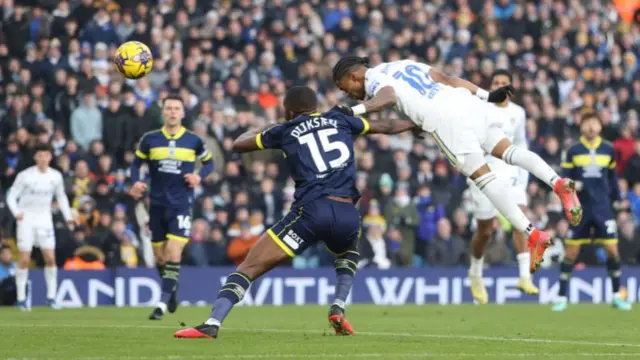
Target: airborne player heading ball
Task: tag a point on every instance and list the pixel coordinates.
(171, 153)
(455, 112)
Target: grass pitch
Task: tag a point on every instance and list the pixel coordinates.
(302, 332)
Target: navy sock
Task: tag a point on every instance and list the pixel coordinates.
(345, 265)
(160, 268)
(613, 268)
(566, 268)
(231, 293)
(169, 280)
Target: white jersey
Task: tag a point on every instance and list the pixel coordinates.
(458, 121)
(425, 101)
(33, 191)
(512, 120)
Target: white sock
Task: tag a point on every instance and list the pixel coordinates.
(22, 275)
(531, 162)
(493, 188)
(51, 278)
(524, 260)
(212, 321)
(476, 266)
(340, 303)
(162, 306)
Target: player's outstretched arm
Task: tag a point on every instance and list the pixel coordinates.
(496, 96)
(391, 126)
(383, 99)
(250, 141)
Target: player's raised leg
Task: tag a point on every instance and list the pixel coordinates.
(474, 166)
(530, 161)
(267, 253)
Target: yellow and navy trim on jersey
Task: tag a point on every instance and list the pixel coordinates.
(365, 122)
(579, 155)
(159, 149)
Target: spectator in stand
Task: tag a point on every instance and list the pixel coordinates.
(240, 245)
(86, 121)
(402, 215)
(631, 171)
(374, 249)
(446, 249)
(7, 277)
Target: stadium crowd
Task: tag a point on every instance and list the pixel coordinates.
(231, 62)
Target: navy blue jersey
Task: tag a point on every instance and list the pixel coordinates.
(319, 151)
(170, 157)
(594, 166)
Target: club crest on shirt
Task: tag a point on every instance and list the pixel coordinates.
(172, 149)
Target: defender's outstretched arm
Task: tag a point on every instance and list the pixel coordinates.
(393, 126)
(250, 141)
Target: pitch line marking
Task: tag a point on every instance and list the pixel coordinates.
(365, 333)
(337, 356)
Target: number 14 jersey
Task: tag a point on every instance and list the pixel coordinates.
(319, 150)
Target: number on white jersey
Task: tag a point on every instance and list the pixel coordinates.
(326, 146)
(419, 80)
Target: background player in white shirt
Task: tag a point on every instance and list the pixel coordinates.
(29, 199)
(460, 122)
(511, 118)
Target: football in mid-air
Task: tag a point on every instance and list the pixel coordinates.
(133, 60)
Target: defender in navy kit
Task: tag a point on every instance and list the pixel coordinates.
(319, 150)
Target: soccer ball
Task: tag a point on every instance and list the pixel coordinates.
(133, 60)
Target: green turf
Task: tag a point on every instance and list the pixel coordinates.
(411, 332)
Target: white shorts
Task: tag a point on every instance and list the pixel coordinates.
(483, 208)
(32, 233)
(466, 130)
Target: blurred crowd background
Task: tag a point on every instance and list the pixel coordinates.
(231, 62)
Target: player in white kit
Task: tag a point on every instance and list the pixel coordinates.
(29, 199)
(511, 118)
(455, 112)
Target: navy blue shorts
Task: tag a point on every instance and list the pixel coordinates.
(598, 228)
(335, 223)
(168, 223)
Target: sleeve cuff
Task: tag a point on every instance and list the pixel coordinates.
(366, 126)
(259, 141)
(141, 155)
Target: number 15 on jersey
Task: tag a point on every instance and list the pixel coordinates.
(320, 152)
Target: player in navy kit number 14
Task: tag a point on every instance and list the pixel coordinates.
(319, 151)
(171, 153)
